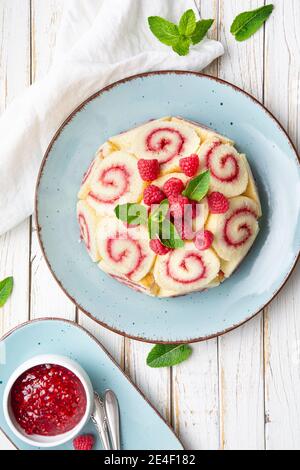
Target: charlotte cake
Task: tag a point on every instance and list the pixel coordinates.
(169, 208)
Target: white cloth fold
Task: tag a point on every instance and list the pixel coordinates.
(99, 42)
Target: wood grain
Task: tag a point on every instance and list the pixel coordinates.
(47, 299)
(241, 391)
(282, 320)
(14, 78)
(241, 352)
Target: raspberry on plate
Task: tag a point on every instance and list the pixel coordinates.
(153, 195)
(218, 203)
(204, 240)
(84, 442)
(173, 187)
(190, 165)
(148, 169)
(158, 247)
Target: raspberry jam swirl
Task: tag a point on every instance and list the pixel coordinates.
(239, 227)
(186, 269)
(164, 143)
(84, 230)
(235, 231)
(125, 250)
(48, 400)
(222, 164)
(112, 183)
(227, 168)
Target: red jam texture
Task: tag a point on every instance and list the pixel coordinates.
(48, 400)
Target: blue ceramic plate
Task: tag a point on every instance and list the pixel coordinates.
(141, 426)
(218, 105)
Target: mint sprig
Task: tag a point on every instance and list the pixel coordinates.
(202, 28)
(168, 355)
(160, 226)
(187, 23)
(157, 217)
(169, 236)
(248, 23)
(132, 214)
(6, 287)
(198, 187)
(180, 37)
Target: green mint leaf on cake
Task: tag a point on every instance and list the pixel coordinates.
(248, 23)
(132, 214)
(187, 23)
(157, 217)
(169, 236)
(201, 29)
(180, 37)
(168, 355)
(198, 187)
(6, 287)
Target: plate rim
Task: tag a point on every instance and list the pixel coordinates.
(40, 174)
(100, 345)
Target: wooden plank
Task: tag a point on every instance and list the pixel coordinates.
(47, 299)
(14, 77)
(210, 9)
(154, 383)
(240, 352)
(282, 321)
(111, 341)
(195, 398)
(195, 382)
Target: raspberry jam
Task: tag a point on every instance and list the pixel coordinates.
(48, 400)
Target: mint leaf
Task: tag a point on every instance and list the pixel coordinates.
(201, 30)
(187, 23)
(189, 31)
(246, 24)
(169, 236)
(198, 187)
(168, 355)
(182, 47)
(165, 31)
(133, 214)
(157, 217)
(6, 287)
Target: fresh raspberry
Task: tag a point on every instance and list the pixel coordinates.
(218, 203)
(173, 187)
(158, 247)
(153, 195)
(190, 165)
(149, 169)
(84, 442)
(178, 206)
(204, 239)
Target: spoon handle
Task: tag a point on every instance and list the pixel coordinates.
(100, 421)
(113, 418)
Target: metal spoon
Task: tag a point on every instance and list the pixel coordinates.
(100, 421)
(113, 418)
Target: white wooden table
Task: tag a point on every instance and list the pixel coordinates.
(241, 391)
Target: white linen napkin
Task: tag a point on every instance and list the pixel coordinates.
(99, 42)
